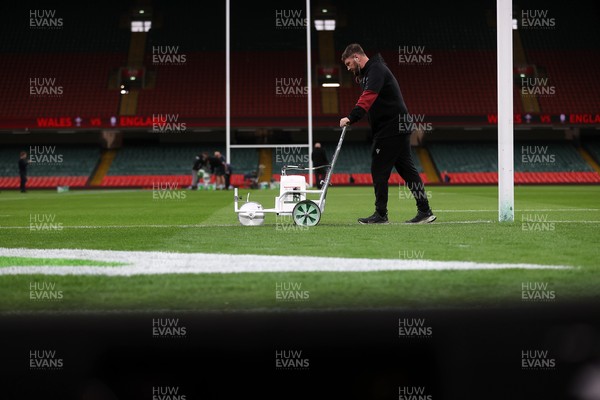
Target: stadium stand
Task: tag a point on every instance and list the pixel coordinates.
(149, 160)
(81, 28)
(573, 76)
(69, 85)
(535, 162)
(415, 23)
(460, 81)
(142, 165)
(52, 166)
(593, 147)
(58, 160)
(254, 91)
(62, 71)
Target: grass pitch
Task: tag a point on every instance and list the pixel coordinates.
(554, 225)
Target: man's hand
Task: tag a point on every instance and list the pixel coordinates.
(344, 121)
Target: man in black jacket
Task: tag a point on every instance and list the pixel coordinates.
(218, 167)
(23, 163)
(200, 163)
(382, 102)
(319, 159)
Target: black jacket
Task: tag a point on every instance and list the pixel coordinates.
(200, 162)
(381, 99)
(23, 166)
(319, 157)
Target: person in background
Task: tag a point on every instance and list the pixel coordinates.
(23, 163)
(218, 166)
(319, 159)
(446, 177)
(200, 162)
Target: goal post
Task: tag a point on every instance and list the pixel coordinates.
(228, 144)
(309, 90)
(506, 196)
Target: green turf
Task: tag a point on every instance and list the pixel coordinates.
(564, 232)
(30, 261)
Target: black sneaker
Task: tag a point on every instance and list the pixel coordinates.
(374, 219)
(422, 218)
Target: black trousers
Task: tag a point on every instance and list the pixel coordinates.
(395, 152)
(23, 182)
(320, 175)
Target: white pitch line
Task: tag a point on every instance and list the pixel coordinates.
(561, 209)
(528, 210)
(465, 210)
(116, 226)
(437, 222)
(571, 222)
(158, 263)
(213, 225)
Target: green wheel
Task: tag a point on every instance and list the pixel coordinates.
(306, 213)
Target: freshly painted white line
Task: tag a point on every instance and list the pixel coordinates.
(158, 263)
(571, 222)
(561, 209)
(438, 211)
(527, 210)
(437, 222)
(121, 226)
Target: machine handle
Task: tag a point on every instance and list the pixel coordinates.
(330, 172)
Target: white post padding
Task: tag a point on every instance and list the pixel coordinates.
(506, 188)
(309, 91)
(227, 81)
